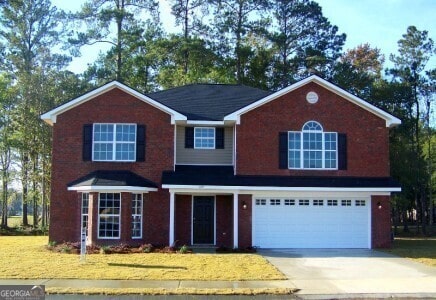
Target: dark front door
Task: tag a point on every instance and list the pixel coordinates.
(203, 220)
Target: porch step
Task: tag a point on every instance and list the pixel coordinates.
(203, 249)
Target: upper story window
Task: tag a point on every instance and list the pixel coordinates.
(312, 148)
(114, 142)
(204, 138)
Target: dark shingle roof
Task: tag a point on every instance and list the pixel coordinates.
(224, 176)
(208, 102)
(112, 178)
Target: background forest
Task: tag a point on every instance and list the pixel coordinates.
(265, 44)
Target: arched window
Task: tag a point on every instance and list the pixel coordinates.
(312, 148)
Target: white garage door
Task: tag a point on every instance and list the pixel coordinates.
(311, 223)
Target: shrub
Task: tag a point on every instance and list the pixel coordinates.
(52, 244)
(65, 249)
(147, 248)
(105, 250)
(184, 249)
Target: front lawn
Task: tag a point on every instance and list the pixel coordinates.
(26, 257)
(422, 250)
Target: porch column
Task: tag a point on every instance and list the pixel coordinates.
(235, 220)
(171, 239)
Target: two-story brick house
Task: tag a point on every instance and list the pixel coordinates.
(304, 167)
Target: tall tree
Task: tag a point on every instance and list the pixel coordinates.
(171, 70)
(358, 69)
(305, 40)
(140, 62)
(234, 19)
(29, 31)
(100, 15)
(6, 145)
(189, 14)
(415, 49)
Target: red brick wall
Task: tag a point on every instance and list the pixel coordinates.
(257, 135)
(183, 219)
(113, 106)
(224, 221)
(381, 222)
(245, 222)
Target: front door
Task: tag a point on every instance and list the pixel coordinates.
(203, 220)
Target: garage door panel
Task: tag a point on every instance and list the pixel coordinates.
(311, 226)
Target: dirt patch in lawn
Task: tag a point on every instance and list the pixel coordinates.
(25, 257)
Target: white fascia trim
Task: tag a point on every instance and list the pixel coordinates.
(201, 188)
(209, 123)
(391, 121)
(106, 189)
(50, 116)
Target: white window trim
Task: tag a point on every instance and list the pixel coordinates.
(214, 138)
(138, 215)
(81, 211)
(323, 150)
(114, 142)
(110, 215)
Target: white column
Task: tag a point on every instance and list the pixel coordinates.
(235, 220)
(172, 209)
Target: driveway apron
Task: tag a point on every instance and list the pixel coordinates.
(352, 271)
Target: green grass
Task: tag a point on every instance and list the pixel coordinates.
(419, 249)
(413, 231)
(17, 221)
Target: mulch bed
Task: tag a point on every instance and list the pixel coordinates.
(74, 248)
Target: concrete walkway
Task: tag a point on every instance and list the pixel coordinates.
(352, 272)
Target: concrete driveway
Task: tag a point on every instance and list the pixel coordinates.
(352, 271)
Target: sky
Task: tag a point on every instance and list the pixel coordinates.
(381, 23)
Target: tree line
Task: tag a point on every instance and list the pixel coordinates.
(259, 43)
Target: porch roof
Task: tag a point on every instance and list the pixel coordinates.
(223, 176)
(112, 180)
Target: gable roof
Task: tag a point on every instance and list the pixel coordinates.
(212, 103)
(208, 102)
(391, 121)
(50, 116)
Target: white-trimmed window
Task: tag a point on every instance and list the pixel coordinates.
(360, 203)
(85, 209)
(204, 138)
(109, 212)
(318, 202)
(312, 148)
(289, 201)
(114, 142)
(303, 202)
(346, 202)
(332, 202)
(274, 201)
(260, 201)
(136, 216)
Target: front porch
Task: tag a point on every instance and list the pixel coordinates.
(210, 219)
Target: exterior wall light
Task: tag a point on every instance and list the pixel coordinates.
(244, 205)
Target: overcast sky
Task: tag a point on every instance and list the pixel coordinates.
(381, 23)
